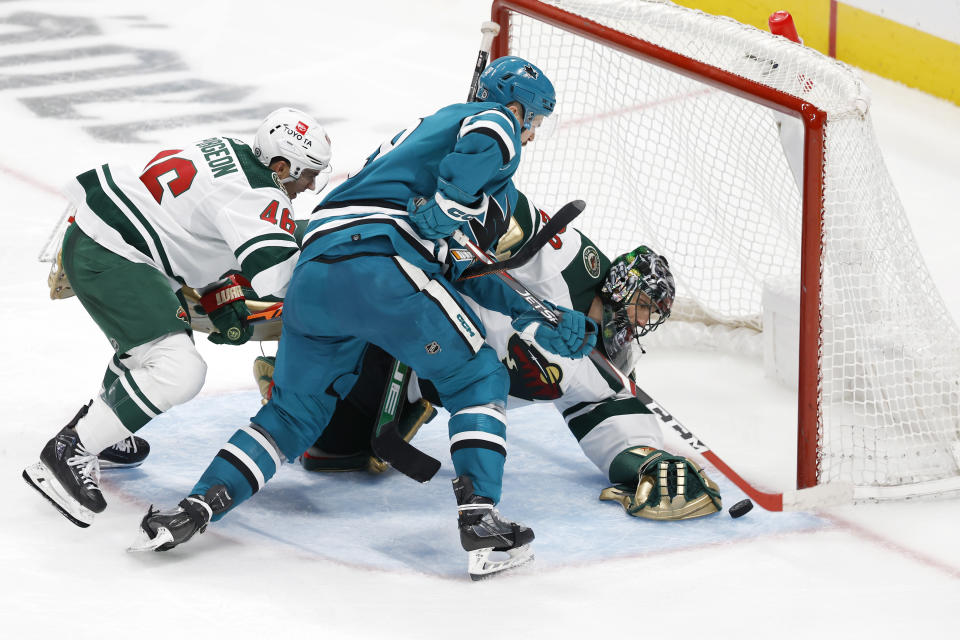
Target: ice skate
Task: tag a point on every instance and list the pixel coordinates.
(483, 532)
(126, 454)
(164, 530)
(68, 475)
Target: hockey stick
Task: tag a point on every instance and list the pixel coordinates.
(556, 224)
(489, 31)
(270, 314)
(769, 501)
(564, 216)
(385, 440)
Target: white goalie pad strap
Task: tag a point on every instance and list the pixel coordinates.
(248, 462)
(455, 312)
(459, 211)
(264, 443)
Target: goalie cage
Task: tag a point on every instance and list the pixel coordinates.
(675, 128)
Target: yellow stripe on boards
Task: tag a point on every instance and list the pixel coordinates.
(812, 17)
(892, 50)
(865, 40)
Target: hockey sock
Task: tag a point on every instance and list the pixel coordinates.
(478, 447)
(151, 378)
(100, 428)
(244, 464)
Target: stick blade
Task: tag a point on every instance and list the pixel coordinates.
(405, 458)
(560, 219)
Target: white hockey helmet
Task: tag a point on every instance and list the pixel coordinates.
(296, 137)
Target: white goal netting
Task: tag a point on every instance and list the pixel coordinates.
(712, 180)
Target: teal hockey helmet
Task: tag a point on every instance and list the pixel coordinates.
(512, 79)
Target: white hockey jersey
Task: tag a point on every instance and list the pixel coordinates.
(195, 214)
(569, 272)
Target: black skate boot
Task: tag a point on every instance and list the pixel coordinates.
(126, 454)
(163, 530)
(68, 475)
(483, 530)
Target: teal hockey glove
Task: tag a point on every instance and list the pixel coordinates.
(440, 216)
(573, 337)
(227, 309)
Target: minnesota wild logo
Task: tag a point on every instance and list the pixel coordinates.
(182, 315)
(591, 260)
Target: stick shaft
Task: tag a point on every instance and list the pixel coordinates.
(489, 31)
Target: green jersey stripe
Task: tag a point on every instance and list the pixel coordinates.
(264, 258)
(583, 424)
(258, 175)
(105, 209)
(143, 398)
(143, 221)
(127, 411)
(284, 237)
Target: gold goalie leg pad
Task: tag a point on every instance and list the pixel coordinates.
(57, 280)
(263, 373)
(668, 488)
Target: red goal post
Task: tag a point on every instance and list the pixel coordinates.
(858, 436)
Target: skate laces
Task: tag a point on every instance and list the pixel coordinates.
(127, 445)
(88, 466)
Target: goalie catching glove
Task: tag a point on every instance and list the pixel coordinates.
(660, 486)
(573, 337)
(225, 305)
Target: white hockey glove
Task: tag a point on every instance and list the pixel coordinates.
(569, 339)
(660, 486)
(440, 216)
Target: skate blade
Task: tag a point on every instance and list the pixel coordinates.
(108, 464)
(480, 566)
(145, 543)
(39, 477)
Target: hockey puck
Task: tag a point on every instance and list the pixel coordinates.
(741, 508)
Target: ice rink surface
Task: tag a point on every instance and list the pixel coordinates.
(359, 556)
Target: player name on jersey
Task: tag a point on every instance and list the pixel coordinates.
(217, 154)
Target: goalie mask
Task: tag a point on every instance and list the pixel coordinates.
(637, 296)
(294, 136)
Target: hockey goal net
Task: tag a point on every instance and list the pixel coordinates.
(748, 160)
